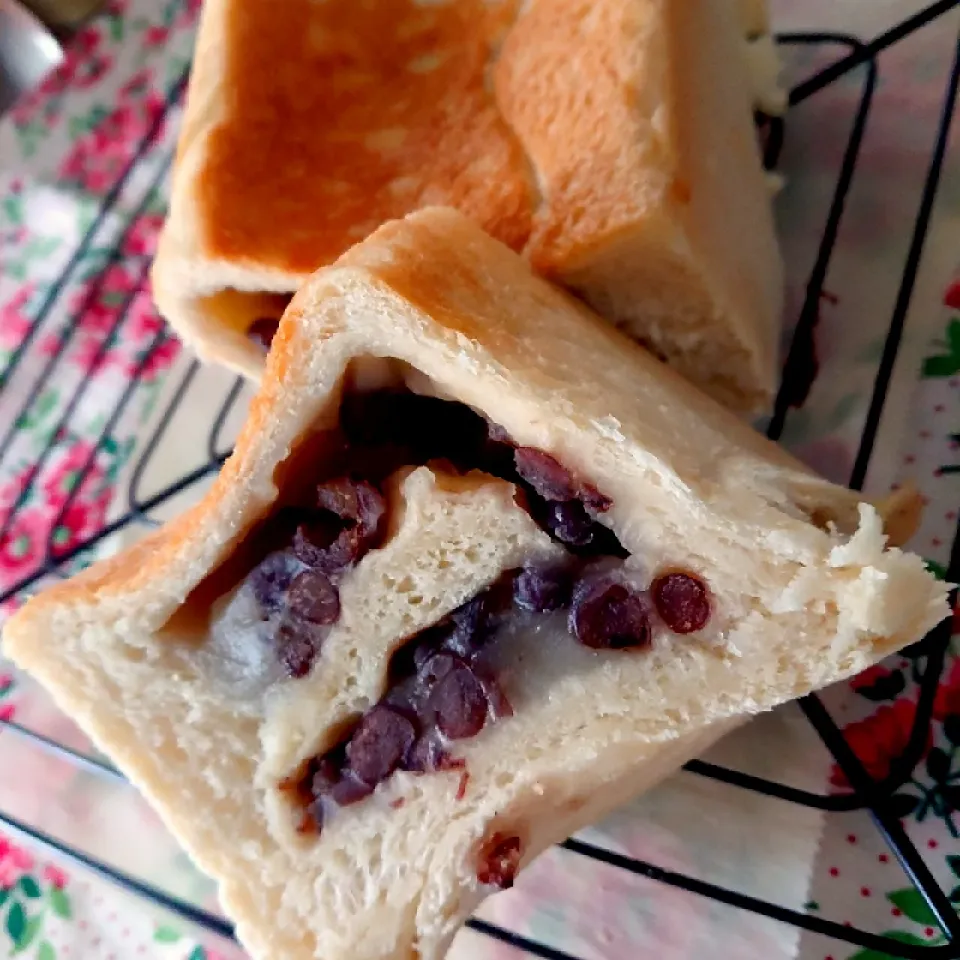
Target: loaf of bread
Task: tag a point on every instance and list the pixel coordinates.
(610, 141)
(478, 570)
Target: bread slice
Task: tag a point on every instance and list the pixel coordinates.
(611, 141)
(154, 654)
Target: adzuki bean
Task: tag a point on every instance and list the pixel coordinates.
(442, 687)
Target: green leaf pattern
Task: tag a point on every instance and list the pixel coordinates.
(29, 887)
(30, 931)
(28, 905)
(60, 903)
(16, 922)
(897, 936)
(913, 906)
(946, 362)
(165, 934)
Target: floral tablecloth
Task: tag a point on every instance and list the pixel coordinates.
(83, 165)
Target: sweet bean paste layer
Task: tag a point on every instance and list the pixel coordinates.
(262, 331)
(442, 687)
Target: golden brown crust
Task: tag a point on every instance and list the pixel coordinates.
(562, 127)
(588, 157)
(309, 158)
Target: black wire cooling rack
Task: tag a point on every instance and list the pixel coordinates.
(878, 797)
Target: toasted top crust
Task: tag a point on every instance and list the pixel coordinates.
(309, 157)
(754, 16)
(605, 150)
(610, 141)
(292, 155)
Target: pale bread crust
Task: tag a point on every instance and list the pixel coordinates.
(647, 195)
(690, 485)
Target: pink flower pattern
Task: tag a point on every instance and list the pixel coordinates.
(55, 876)
(8, 707)
(117, 304)
(158, 361)
(22, 547)
(120, 99)
(74, 493)
(14, 863)
(142, 238)
(98, 158)
(156, 36)
(68, 476)
(11, 489)
(14, 319)
(33, 894)
(84, 64)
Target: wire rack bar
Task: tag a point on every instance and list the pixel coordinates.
(57, 749)
(745, 902)
(515, 940)
(909, 280)
(138, 507)
(800, 368)
(868, 51)
(81, 549)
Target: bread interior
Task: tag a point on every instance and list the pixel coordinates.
(457, 454)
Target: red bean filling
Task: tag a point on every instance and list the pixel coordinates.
(399, 428)
(440, 692)
(313, 598)
(297, 647)
(346, 528)
(609, 615)
(262, 331)
(682, 602)
(542, 589)
(380, 744)
(553, 482)
(458, 703)
(298, 580)
(545, 474)
(441, 688)
(499, 860)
